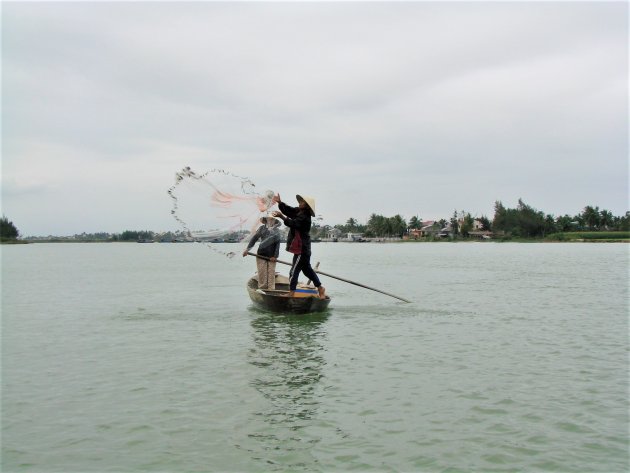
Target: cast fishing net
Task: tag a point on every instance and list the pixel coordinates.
(218, 207)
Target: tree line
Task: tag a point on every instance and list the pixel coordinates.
(8, 231)
(523, 221)
(376, 226)
(528, 222)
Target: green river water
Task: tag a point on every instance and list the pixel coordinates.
(128, 357)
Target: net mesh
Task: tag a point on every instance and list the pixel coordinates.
(219, 206)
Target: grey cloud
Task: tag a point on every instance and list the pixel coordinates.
(471, 101)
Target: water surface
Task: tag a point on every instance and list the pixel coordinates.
(127, 357)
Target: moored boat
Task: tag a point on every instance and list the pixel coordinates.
(305, 300)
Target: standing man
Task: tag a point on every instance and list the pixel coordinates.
(269, 236)
(298, 219)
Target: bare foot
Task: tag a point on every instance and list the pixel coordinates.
(322, 292)
(289, 294)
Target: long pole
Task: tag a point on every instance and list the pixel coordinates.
(335, 277)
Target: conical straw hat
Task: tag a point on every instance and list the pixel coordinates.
(309, 201)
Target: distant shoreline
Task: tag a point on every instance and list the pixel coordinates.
(514, 240)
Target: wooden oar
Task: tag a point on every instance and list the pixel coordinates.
(335, 277)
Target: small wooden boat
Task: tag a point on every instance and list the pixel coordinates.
(306, 299)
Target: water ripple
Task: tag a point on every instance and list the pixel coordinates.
(510, 358)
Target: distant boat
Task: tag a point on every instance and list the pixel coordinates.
(305, 301)
(146, 241)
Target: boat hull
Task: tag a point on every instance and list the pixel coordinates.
(274, 301)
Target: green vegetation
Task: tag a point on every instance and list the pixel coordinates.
(129, 235)
(589, 236)
(523, 223)
(526, 222)
(8, 231)
(104, 237)
(377, 226)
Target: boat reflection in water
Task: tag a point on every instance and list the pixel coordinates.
(289, 355)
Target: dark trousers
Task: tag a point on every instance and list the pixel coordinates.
(302, 263)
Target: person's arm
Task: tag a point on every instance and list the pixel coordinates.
(299, 222)
(253, 241)
(284, 208)
(287, 210)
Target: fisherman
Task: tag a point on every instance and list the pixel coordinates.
(298, 219)
(269, 236)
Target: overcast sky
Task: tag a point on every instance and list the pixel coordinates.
(416, 108)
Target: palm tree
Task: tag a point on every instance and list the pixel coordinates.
(377, 225)
(591, 217)
(606, 219)
(414, 222)
(399, 225)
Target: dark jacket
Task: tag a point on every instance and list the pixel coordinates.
(269, 241)
(298, 221)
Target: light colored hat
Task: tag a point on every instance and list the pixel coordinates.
(309, 201)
